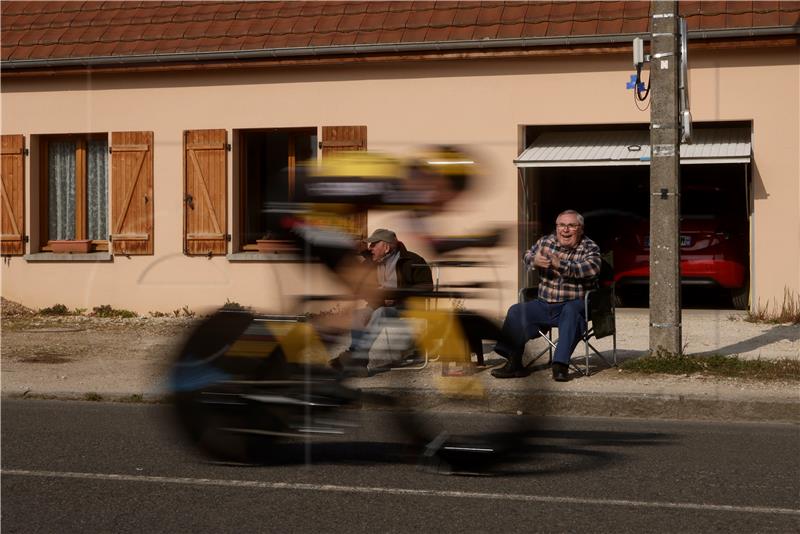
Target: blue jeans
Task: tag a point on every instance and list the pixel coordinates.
(524, 320)
(366, 328)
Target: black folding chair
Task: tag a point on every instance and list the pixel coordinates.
(600, 312)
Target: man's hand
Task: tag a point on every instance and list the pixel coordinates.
(541, 261)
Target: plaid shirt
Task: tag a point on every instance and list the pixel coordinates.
(576, 274)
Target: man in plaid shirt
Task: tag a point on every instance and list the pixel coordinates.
(568, 263)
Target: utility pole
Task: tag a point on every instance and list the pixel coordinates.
(665, 135)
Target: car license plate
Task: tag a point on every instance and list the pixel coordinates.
(686, 241)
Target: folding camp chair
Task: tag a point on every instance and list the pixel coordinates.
(600, 312)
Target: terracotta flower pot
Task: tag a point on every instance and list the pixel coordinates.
(79, 246)
(274, 245)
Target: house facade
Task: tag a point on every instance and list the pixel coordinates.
(148, 135)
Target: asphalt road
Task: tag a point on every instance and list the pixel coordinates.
(96, 467)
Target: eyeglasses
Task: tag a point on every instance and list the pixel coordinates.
(571, 226)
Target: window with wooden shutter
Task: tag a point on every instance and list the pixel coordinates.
(205, 192)
(347, 138)
(132, 192)
(12, 179)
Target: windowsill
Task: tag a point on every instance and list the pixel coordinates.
(265, 256)
(69, 257)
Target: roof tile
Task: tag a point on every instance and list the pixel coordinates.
(351, 22)
(562, 11)
(311, 9)
(373, 21)
(419, 19)
(327, 23)
(790, 17)
(609, 26)
(282, 26)
(585, 27)
(510, 31)
(538, 12)
(559, 29)
(710, 22)
(636, 10)
(355, 7)
(208, 44)
(688, 8)
(396, 20)
(416, 35)
(489, 14)
(535, 29)
(461, 33)
(378, 7)
(738, 19)
(611, 10)
(233, 43)
(298, 40)
(513, 14)
(368, 37)
(637, 25)
(438, 34)
(321, 39)
(441, 17)
(488, 31)
(587, 10)
(304, 24)
(333, 8)
(390, 36)
(466, 17)
(344, 39)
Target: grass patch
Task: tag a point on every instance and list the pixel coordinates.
(92, 396)
(716, 365)
(56, 309)
(107, 311)
(788, 312)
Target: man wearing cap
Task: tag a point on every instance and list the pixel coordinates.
(395, 268)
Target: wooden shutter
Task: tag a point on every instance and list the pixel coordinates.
(205, 192)
(12, 179)
(132, 192)
(347, 138)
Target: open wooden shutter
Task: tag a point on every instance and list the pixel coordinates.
(347, 138)
(206, 192)
(12, 179)
(132, 192)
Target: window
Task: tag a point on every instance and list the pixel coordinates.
(74, 189)
(269, 159)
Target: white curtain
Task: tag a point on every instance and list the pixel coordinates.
(61, 189)
(97, 188)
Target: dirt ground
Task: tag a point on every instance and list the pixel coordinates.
(109, 355)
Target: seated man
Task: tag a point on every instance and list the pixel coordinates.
(395, 268)
(568, 265)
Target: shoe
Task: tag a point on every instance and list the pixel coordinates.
(512, 369)
(560, 372)
(349, 366)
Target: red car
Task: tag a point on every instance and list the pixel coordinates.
(713, 252)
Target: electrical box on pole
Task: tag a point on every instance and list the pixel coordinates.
(665, 136)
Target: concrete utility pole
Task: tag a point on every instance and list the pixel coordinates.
(665, 283)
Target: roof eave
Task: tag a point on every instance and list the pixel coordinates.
(381, 48)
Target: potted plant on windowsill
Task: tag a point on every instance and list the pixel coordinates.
(76, 246)
(268, 243)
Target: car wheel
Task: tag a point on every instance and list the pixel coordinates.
(741, 297)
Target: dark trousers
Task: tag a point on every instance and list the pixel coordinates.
(524, 320)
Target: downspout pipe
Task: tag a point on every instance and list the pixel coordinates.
(322, 51)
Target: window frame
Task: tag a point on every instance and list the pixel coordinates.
(81, 189)
(294, 133)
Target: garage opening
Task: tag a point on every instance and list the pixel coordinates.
(604, 174)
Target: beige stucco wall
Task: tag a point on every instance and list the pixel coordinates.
(479, 103)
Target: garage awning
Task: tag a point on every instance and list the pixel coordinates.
(631, 147)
